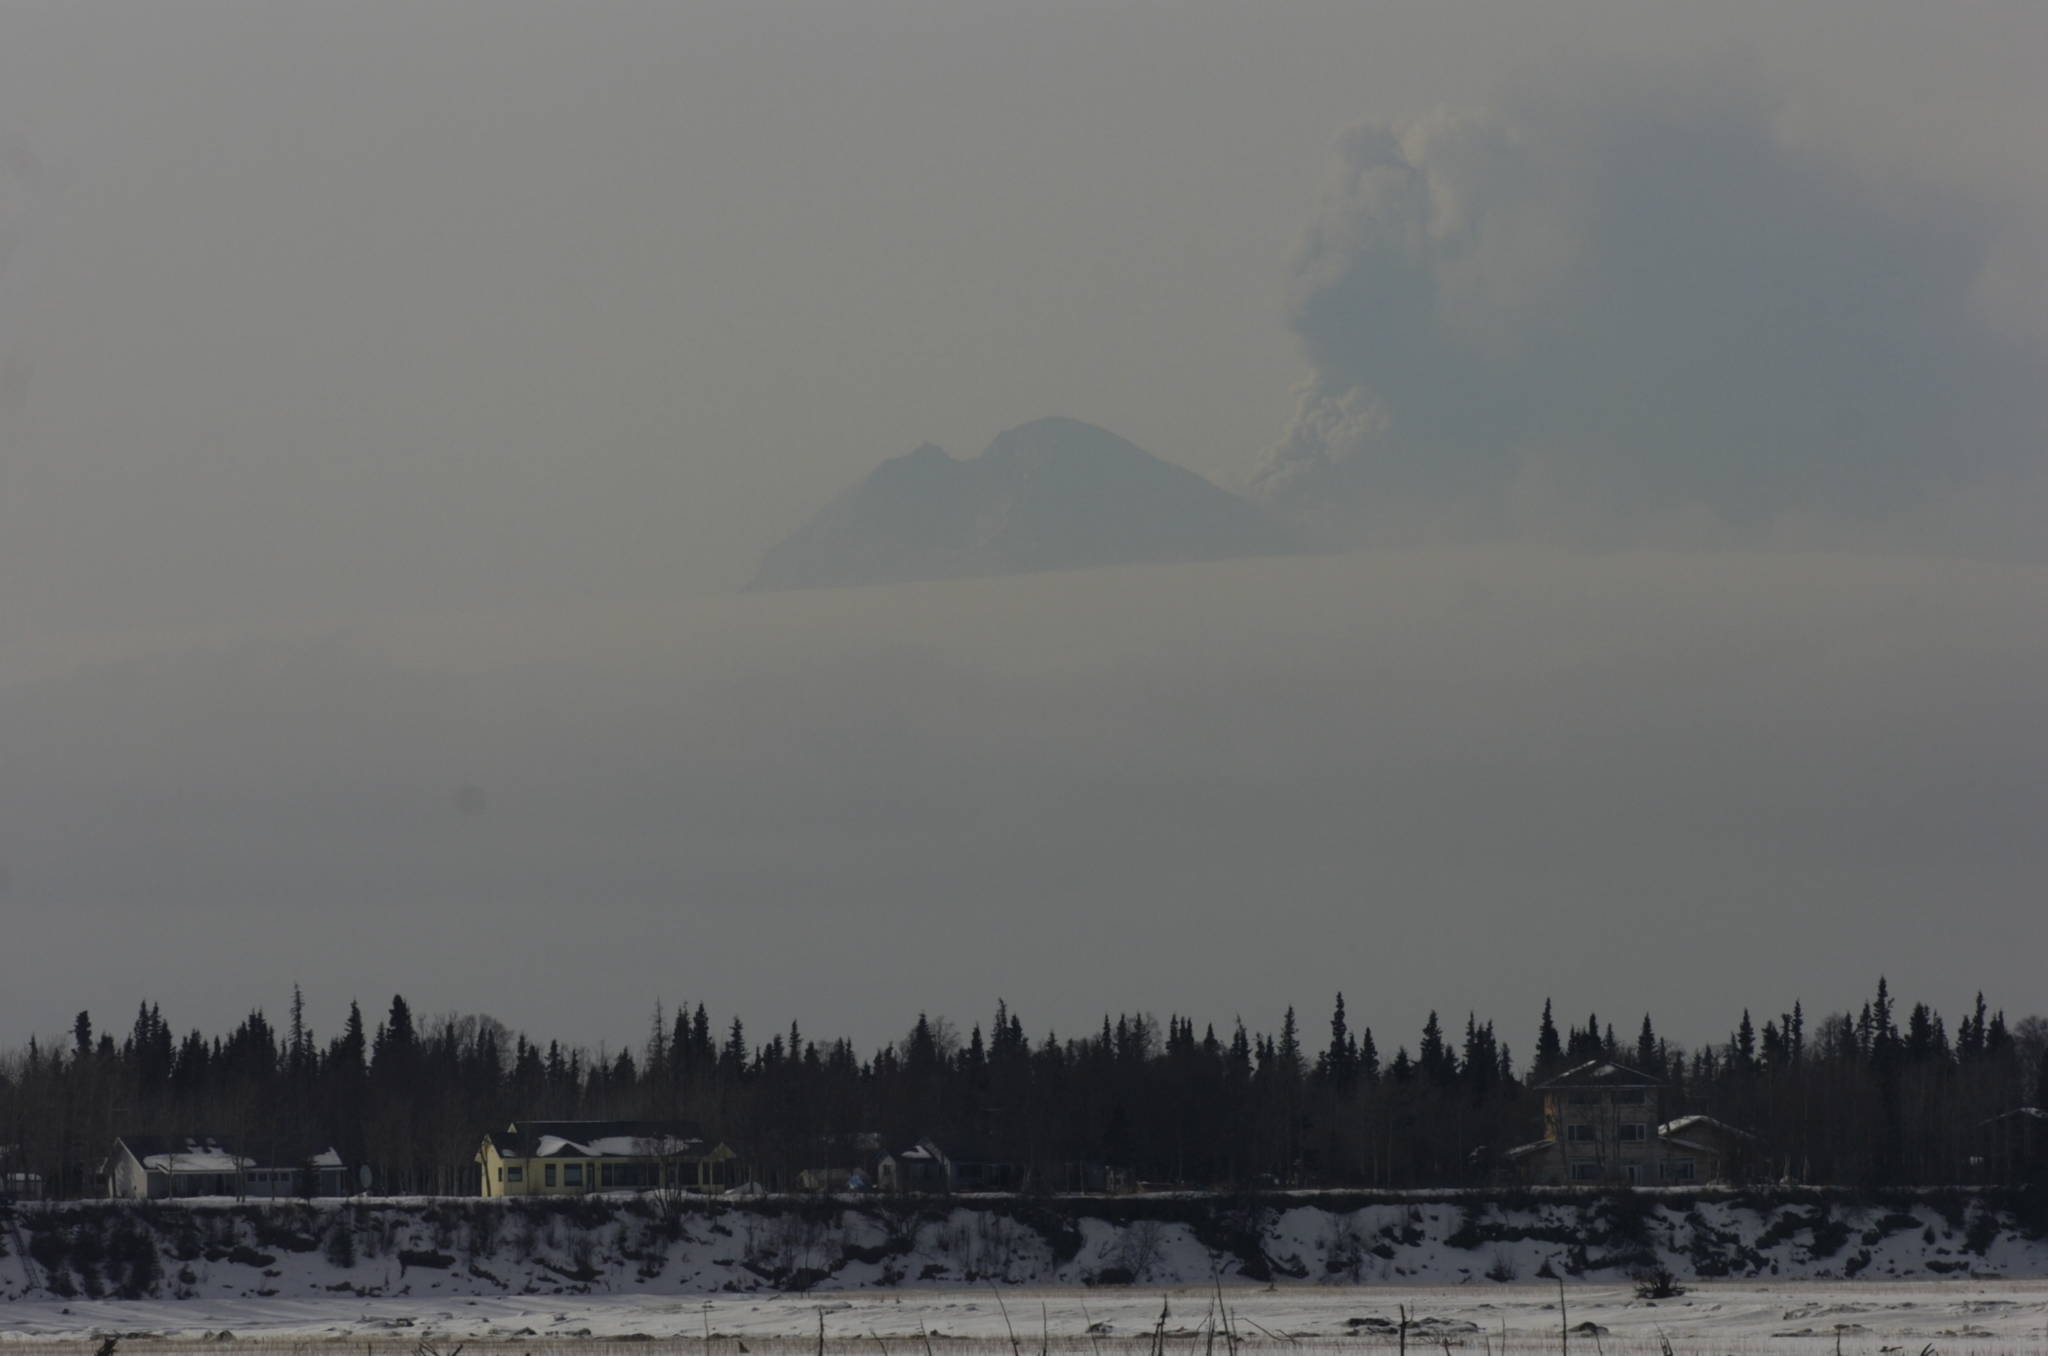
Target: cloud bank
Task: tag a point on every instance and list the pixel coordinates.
(1633, 292)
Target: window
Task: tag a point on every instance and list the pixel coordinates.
(1632, 1132)
(1629, 1098)
(515, 1174)
(548, 1175)
(1679, 1169)
(1582, 1134)
(501, 1174)
(572, 1174)
(1585, 1172)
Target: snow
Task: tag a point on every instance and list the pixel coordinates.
(608, 1146)
(1748, 1316)
(630, 1146)
(198, 1155)
(203, 1161)
(1924, 1270)
(1685, 1123)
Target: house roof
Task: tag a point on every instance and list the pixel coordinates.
(1522, 1151)
(595, 1139)
(2018, 1113)
(924, 1151)
(212, 1154)
(1601, 1073)
(1686, 1125)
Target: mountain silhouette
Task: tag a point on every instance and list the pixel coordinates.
(1053, 494)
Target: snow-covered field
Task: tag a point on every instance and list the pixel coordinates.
(1955, 1316)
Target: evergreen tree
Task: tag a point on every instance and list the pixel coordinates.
(1549, 1050)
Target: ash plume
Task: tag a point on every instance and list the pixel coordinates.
(1636, 293)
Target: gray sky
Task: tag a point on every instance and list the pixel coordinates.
(391, 396)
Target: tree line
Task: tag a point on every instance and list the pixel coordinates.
(1853, 1097)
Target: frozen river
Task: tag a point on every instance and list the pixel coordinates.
(1960, 1316)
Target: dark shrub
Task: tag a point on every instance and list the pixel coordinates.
(49, 1247)
(1830, 1235)
(1467, 1235)
(410, 1257)
(341, 1244)
(1983, 1230)
(133, 1263)
(1656, 1282)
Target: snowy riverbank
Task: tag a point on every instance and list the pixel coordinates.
(445, 1249)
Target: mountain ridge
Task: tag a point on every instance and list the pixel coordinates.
(1055, 493)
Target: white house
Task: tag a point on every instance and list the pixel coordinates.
(149, 1167)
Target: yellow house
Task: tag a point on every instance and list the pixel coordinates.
(573, 1158)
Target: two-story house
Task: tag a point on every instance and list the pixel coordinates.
(1603, 1125)
(1600, 1123)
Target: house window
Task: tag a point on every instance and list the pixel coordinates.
(1679, 1169)
(572, 1174)
(501, 1174)
(1632, 1131)
(548, 1175)
(1585, 1172)
(1628, 1098)
(515, 1174)
(1582, 1134)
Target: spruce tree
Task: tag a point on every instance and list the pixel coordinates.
(1549, 1050)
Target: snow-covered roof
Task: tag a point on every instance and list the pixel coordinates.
(211, 1154)
(1521, 1151)
(203, 1156)
(596, 1139)
(630, 1146)
(1602, 1073)
(1686, 1124)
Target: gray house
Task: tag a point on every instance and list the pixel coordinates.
(920, 1168)
(151, 1167)
(1601, 1126)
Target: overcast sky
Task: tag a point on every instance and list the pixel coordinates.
(393, 395)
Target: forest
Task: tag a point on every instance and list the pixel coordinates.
(1863, 1098)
